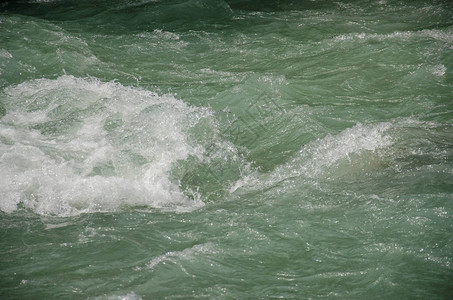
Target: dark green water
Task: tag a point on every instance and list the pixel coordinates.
(226, 149)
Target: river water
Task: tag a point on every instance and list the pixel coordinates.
(226, 149)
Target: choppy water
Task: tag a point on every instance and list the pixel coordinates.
(226, 149)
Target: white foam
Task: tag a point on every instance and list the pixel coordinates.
(5, 54)
(72, 145)
(128, 296)
(166, 34)
(438, 70)
(329, 150)
(186, 254)
(321, 155)
(440, 35)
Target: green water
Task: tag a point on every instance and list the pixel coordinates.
(226, 149)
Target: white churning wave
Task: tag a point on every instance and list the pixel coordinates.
(74, 145)
(319, 156)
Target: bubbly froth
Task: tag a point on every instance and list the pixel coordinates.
(75, 145)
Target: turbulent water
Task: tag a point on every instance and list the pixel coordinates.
(161, 149)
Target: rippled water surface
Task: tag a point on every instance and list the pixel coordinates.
(226, 149)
